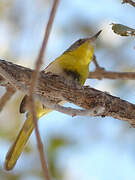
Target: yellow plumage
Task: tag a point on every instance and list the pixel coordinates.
(73, 64)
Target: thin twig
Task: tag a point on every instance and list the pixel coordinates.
(96, 111)
(98, 68)
(33, 85)
(111, 75)
(132, 3)
(8, 94)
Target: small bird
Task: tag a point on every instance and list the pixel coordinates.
(73, 65)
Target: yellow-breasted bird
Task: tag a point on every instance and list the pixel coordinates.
(73, 65)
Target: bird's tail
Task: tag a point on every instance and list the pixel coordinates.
(22, 138)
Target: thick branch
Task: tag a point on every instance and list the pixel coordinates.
(97, 111)
(55, 88)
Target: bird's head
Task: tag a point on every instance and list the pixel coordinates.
(83, 48)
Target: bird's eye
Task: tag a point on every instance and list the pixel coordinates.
(79, 41)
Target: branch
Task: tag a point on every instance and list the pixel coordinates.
(97, 111)
(55, 88)
(111, 75)
(132, 3)
(101, 73)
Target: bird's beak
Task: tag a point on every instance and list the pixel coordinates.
(93, 38)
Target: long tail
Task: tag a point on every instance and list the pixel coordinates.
(22, 138)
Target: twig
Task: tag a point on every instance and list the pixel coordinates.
(98, 68)
(8, 94)
(111, 75)
(96, 111)
(132, 3)
(33, 85)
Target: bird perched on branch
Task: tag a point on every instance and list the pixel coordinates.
(73, 65)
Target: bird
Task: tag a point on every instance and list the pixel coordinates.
(72, 65)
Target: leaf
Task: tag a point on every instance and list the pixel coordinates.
(123, 30)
